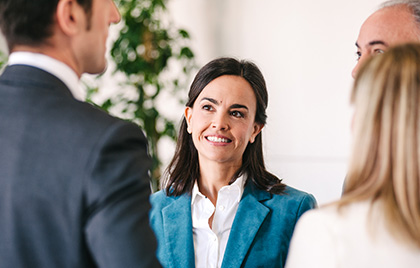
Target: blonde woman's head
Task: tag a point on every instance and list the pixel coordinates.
(385, 160)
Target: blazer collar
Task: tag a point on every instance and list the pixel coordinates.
(53, 66)
(249, 217)
(177, 227)
(28, 75)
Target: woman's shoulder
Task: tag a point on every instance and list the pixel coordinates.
(158, 202)
(322, 216)
(291, 201)
(293, 195)
(331, 215)
(159, 197)
(162, 199)
(332, 236)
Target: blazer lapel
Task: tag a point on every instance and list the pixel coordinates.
(249, 217)
(177, 227)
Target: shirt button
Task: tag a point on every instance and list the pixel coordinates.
(222, 208)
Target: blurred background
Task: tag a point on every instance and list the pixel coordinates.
(306, 51)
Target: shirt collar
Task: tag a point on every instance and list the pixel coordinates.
(237, 185)
(51, 65)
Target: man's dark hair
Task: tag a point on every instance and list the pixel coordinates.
(30, 22)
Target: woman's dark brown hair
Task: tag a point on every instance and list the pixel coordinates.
(184, 169)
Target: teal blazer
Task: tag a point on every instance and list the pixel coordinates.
(260, 233)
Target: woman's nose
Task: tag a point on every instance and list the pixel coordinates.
(220, 123)
(115, 13)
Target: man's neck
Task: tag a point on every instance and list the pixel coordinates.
(50, 51)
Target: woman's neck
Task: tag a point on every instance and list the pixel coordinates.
(213, 176)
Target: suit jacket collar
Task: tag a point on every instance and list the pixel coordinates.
(248, 220)
(52, 66)
(177, 226)
(31, 77)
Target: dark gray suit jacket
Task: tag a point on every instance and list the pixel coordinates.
(74, 182)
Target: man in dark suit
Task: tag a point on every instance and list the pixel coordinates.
(74, 182)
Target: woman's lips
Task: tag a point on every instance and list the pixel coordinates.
(218, 139)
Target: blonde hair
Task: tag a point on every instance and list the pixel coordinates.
(385, 162)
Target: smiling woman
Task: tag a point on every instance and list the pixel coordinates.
(223, 124)
(220, 205)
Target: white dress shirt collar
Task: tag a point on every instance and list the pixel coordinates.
(237, 185)
(51, 65)
(210, 243)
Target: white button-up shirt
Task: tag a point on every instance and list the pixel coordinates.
(51, 65)
(210, 244)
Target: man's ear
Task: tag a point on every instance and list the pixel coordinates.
(71, 17)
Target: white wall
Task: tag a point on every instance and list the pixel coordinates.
(306, 51)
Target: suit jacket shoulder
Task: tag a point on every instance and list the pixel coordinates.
(80, 172)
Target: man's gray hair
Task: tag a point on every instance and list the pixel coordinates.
(413, 5)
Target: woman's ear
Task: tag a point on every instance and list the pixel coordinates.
(188, 115)
(257, 129)
(71, 17)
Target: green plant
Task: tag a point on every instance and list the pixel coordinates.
(3, 59)
(154, 57)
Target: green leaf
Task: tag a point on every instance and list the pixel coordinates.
(184, 33)
(186, 52)
(107, 105)
(144, 48)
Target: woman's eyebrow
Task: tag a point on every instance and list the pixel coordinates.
(234, 106)
(210, 100)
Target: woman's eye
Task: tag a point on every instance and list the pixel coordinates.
(237, 114)
(207, 107)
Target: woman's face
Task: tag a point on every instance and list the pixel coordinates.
(222, 120)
